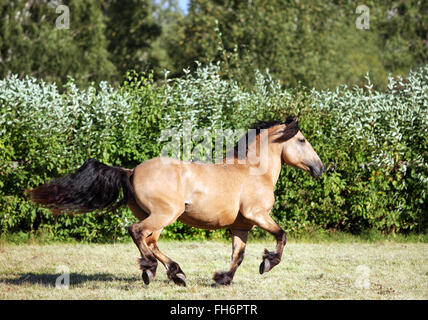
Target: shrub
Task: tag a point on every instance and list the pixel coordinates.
(45, 134)
(373, 145)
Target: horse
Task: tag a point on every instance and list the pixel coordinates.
(237, 193)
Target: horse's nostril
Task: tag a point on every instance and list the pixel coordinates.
(316, 170)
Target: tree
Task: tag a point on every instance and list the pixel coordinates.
(130, 32)
(31, 44)
(168, 15)
(403, 35)
(315, 43)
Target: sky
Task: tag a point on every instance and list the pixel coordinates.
(183, 5)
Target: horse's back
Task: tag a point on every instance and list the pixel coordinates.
(209, 193)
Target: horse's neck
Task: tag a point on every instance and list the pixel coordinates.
(264, 157)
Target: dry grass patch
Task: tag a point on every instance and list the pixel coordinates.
(308, 271)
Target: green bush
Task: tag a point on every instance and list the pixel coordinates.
(45, 134)
(373, 145)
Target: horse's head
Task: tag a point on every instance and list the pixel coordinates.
(297, 151)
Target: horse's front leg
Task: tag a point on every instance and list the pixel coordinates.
(270, 258)
(239, 240)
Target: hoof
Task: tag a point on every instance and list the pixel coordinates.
(147, 276)
(222, 278)
(179, 279)
(148, 266)
(270, 260)
(265, 266)
(177, 275)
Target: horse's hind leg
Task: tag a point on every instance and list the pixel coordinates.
(173, 270)
(148, 263)
(151, 225)
(239, 240)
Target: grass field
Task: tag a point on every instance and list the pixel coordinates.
(329, 270)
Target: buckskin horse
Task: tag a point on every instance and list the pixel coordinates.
(234, 194)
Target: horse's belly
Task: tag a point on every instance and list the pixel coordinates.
(209, 218)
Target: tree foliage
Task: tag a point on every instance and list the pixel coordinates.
(31, 44)
(310, 42)
(315, 43)
(130, 31)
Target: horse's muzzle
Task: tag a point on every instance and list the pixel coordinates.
(316, 170)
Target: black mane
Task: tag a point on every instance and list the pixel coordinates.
(260, 125)
(291, 129)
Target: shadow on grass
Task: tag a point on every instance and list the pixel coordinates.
(49, 279)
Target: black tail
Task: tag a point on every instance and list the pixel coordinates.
(92, 187)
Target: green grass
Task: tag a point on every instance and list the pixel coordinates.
(367, 236)
(324, 270)
(310, 236)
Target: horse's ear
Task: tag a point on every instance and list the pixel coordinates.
(291, 119)
(291, 129)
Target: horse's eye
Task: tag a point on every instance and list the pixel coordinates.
(302, 140)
